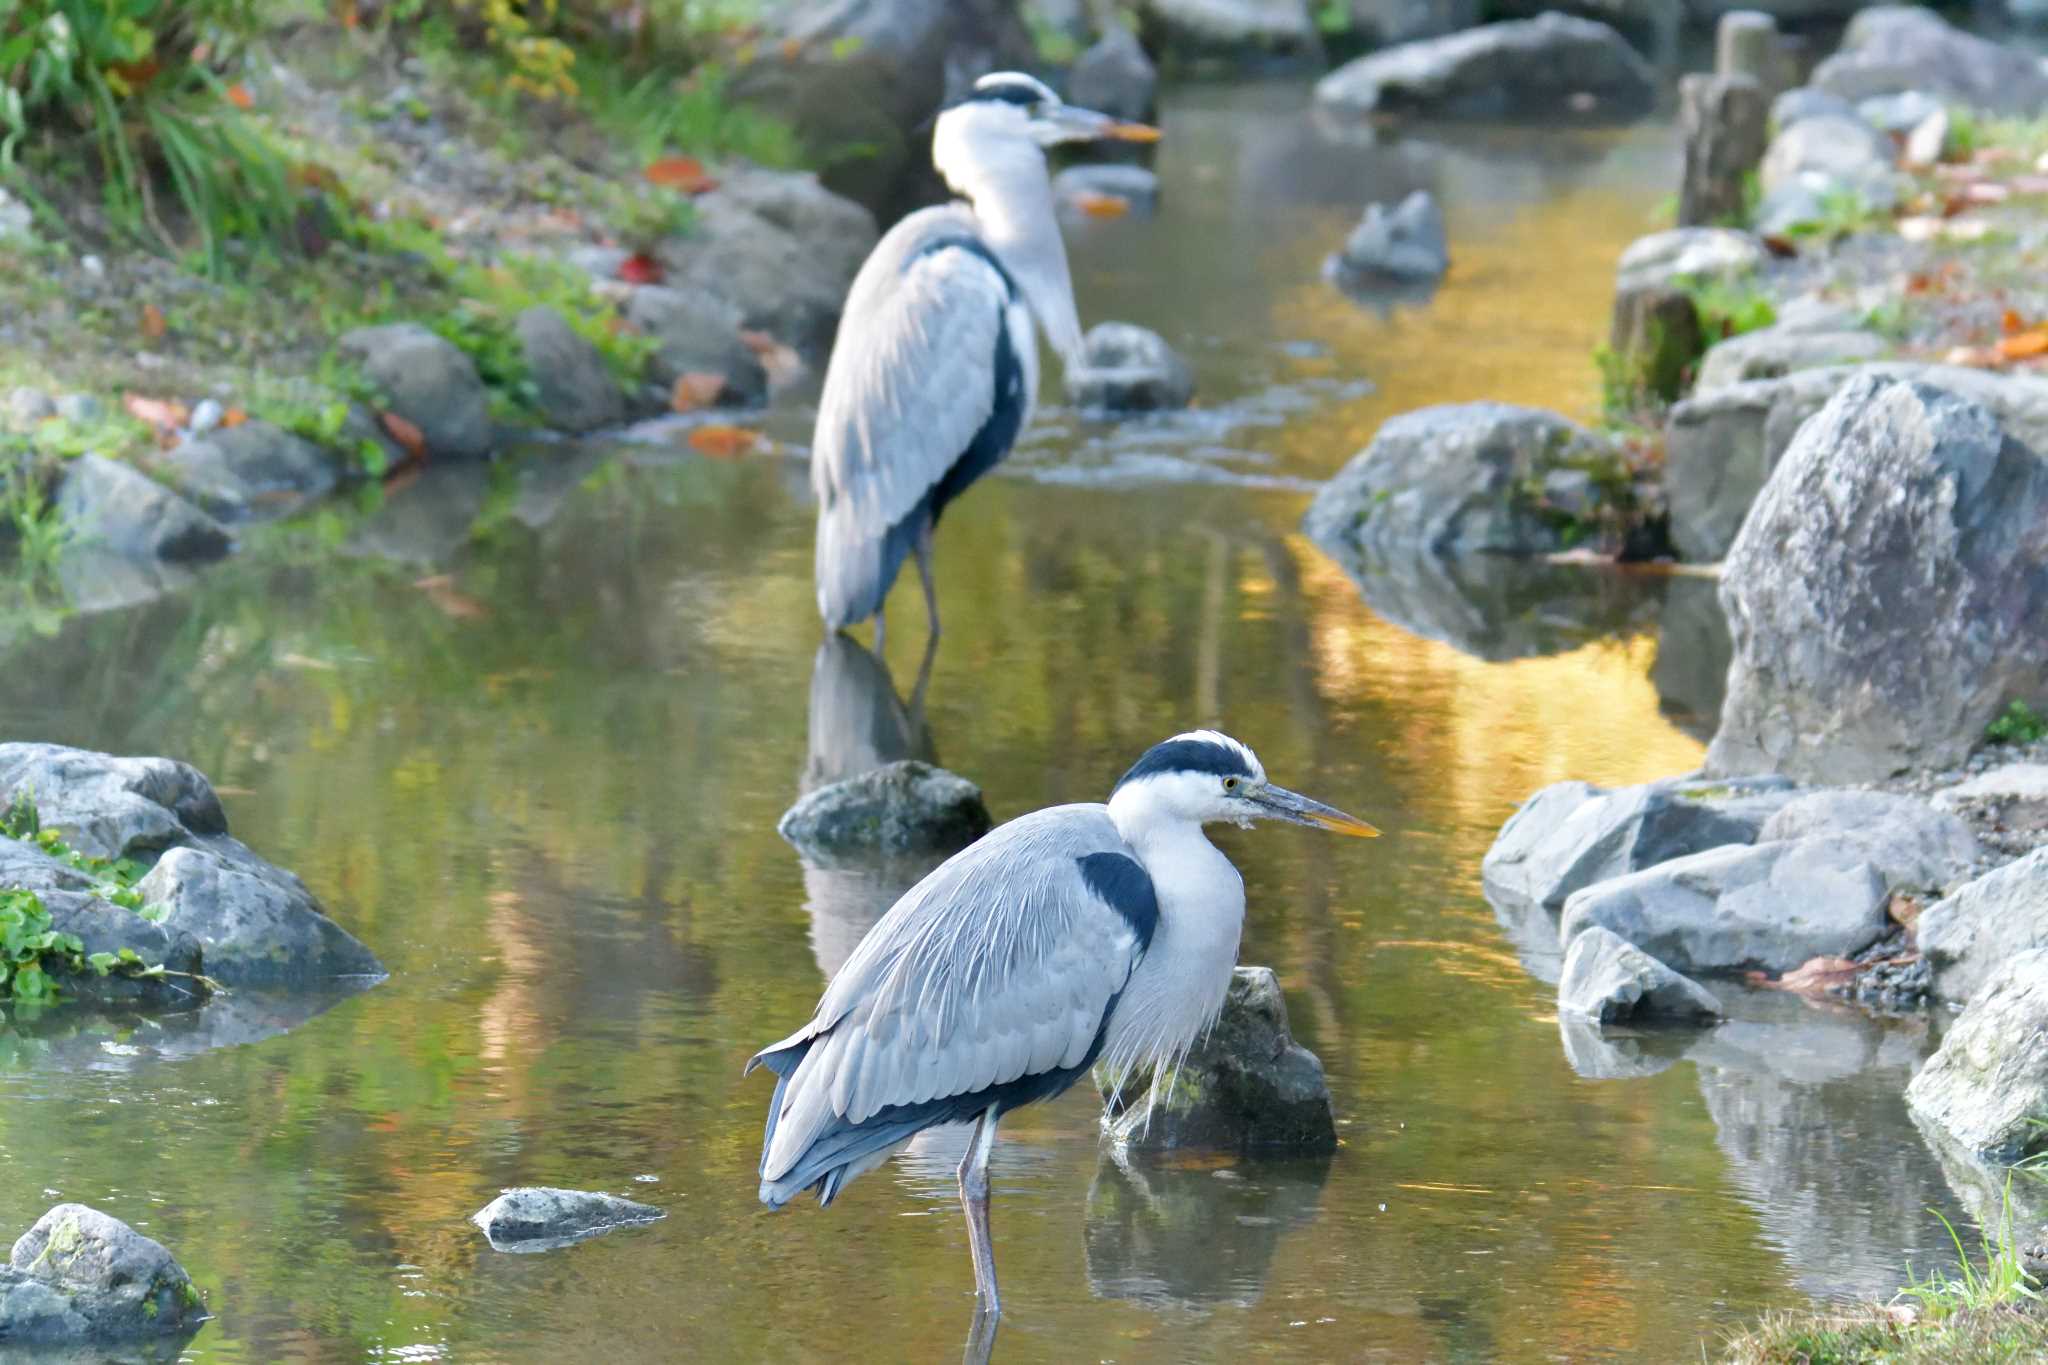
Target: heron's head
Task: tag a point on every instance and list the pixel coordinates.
(1205, 777)
(1008, 107)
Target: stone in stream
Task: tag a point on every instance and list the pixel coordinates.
(1888, 49)
(1551, 64)
(696, 332)
(1128, 369)
(1403, 244)
(576, 389)
(75, 906)
(257, 925)
(251, 472)
(1913, 846)
(80, 1277)
(1246, 1086)
(115, 509)
(1572, 835)
(1655, 330)
(429, 383)
(1772, 906)
(1608, 979)
(1115, 77)
(1888, 593)
(1721, 121)
(1987, 1085)
(905, 807)
(1968, 936)
(542, 1218)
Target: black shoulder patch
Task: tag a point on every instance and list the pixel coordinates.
(1188, 756)
(973, 247)
(1127, 887)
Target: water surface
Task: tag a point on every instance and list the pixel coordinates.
(544, 788)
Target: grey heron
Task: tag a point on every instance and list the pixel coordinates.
(1072, 935)
(935, 366)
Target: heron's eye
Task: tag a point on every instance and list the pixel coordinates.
(1230, 784)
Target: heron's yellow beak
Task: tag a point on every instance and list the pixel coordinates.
(1131, 132)
(1280, 803)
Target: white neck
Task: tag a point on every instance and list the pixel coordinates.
(1004, 179)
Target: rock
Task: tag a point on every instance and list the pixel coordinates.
(697, 334)
(1656, 340)
(1128, 369)
(1772, 906)
(599, 262)
(257, 925)
(27, 407)
(1608, 979)
(76, 908)
(1913, 846)
(1456, 478)
(1898, 115)
(250, 472)
(1115, 77)
(1406, 243)
(904, 807)
(1720, 447)
(1246, 1086)
(1999, 1199)
(1770, 352)
(1987, 1085)
(577, 391)
(17, 220)
(1683, 255)
(1570, 835)
(1525, 66)
(430, 522)
(80, 409)
(1985, 924)
(80, 1276)
(540, 1218)
(112, 507)
(1383, 23)
(1888, 593)
(1889, 49)
(1927, 143)
(1721, 121)
(1135, 185)
(206, 415)
(1693, 650)
(1806, 102)
(111, 807)
(429, 383)
(1852, 157)
(1233, 29)
(1808, 203)
(1747, 43)
(2007, 782)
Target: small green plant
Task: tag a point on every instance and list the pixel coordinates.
(33, 952)
(114, 879)
(1843, 212)
(2019, 723)
(1730, 307)
(2001, 1282)
(659, 113)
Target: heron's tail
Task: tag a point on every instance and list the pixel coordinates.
(855, 569)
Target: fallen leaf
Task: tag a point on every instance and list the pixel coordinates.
(239, 96)
(408, 436)
(233, 417)
(1814, 975)
(640, 268)
(2011, 322)
(1903, 909)
(695, 389)
(782, 364)
(2024, 345)
(724, 443)
(153, 324)
(453, 602)
(791, 49)
(161, 413)
(1093, 205)
(685, 173)
(1982, 357)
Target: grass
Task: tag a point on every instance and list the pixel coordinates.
(1728, 308)
(2019, 723)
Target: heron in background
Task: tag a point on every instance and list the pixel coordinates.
(1069, 936)
(935, 367)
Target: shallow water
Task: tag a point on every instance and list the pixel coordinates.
(545, 792)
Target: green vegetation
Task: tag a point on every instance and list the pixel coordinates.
(1728, 308)
(2019, 723)
(113, 878)
(33, 954)
(1843, 212)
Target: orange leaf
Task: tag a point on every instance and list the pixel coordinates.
(791, 49)
(640, 268)
(695, 390)
(2024, 345)
(239, 96)
(2011, 323)
(233, 417)
(454, 603)
(152, 322)
(160, 413)
(1811, 977)
(1101, 205)
(406, 434)
(724, 443)
(685, 173)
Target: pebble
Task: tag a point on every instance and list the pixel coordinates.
(26, 407)
(93, 266)
(80, 408)
(205, 417)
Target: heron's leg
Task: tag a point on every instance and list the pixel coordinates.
(923, 550)
(879, 623)
(974, 1203)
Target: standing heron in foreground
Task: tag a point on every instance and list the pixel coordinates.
(935, 367)
(1072, 935)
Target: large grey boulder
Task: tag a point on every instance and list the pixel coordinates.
(1458, 478)
(697, 333)
(1128, 369)
(1549, 64)
(1804, 102)
(429, 383)
(1405, 243)
(1987, 1085)
(80, 1277)
(576, 388)
(1608, 979)
(113, 509)
(1848, 151)
(906, 807)
(1246, 1086)
(1721, 446)
(1571, 835)
(1115, 77)
(1680, 256)
(1770, 352)
(256, 924)
(542, 1218)
(1235, 29)
(1967, 937)
(1888, 593)
(1913, 846)
(1888, 49)
(251, 472)
(111, 807)
(1773, 906)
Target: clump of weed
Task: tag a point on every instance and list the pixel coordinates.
(2019, 723)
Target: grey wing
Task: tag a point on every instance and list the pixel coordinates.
(911, 382)
(1000, 966)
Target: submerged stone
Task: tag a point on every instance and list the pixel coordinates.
(81, 1276)
(542, 1218)
(903, 807)
(1606, 978)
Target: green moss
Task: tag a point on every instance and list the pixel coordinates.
(2019, 723)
